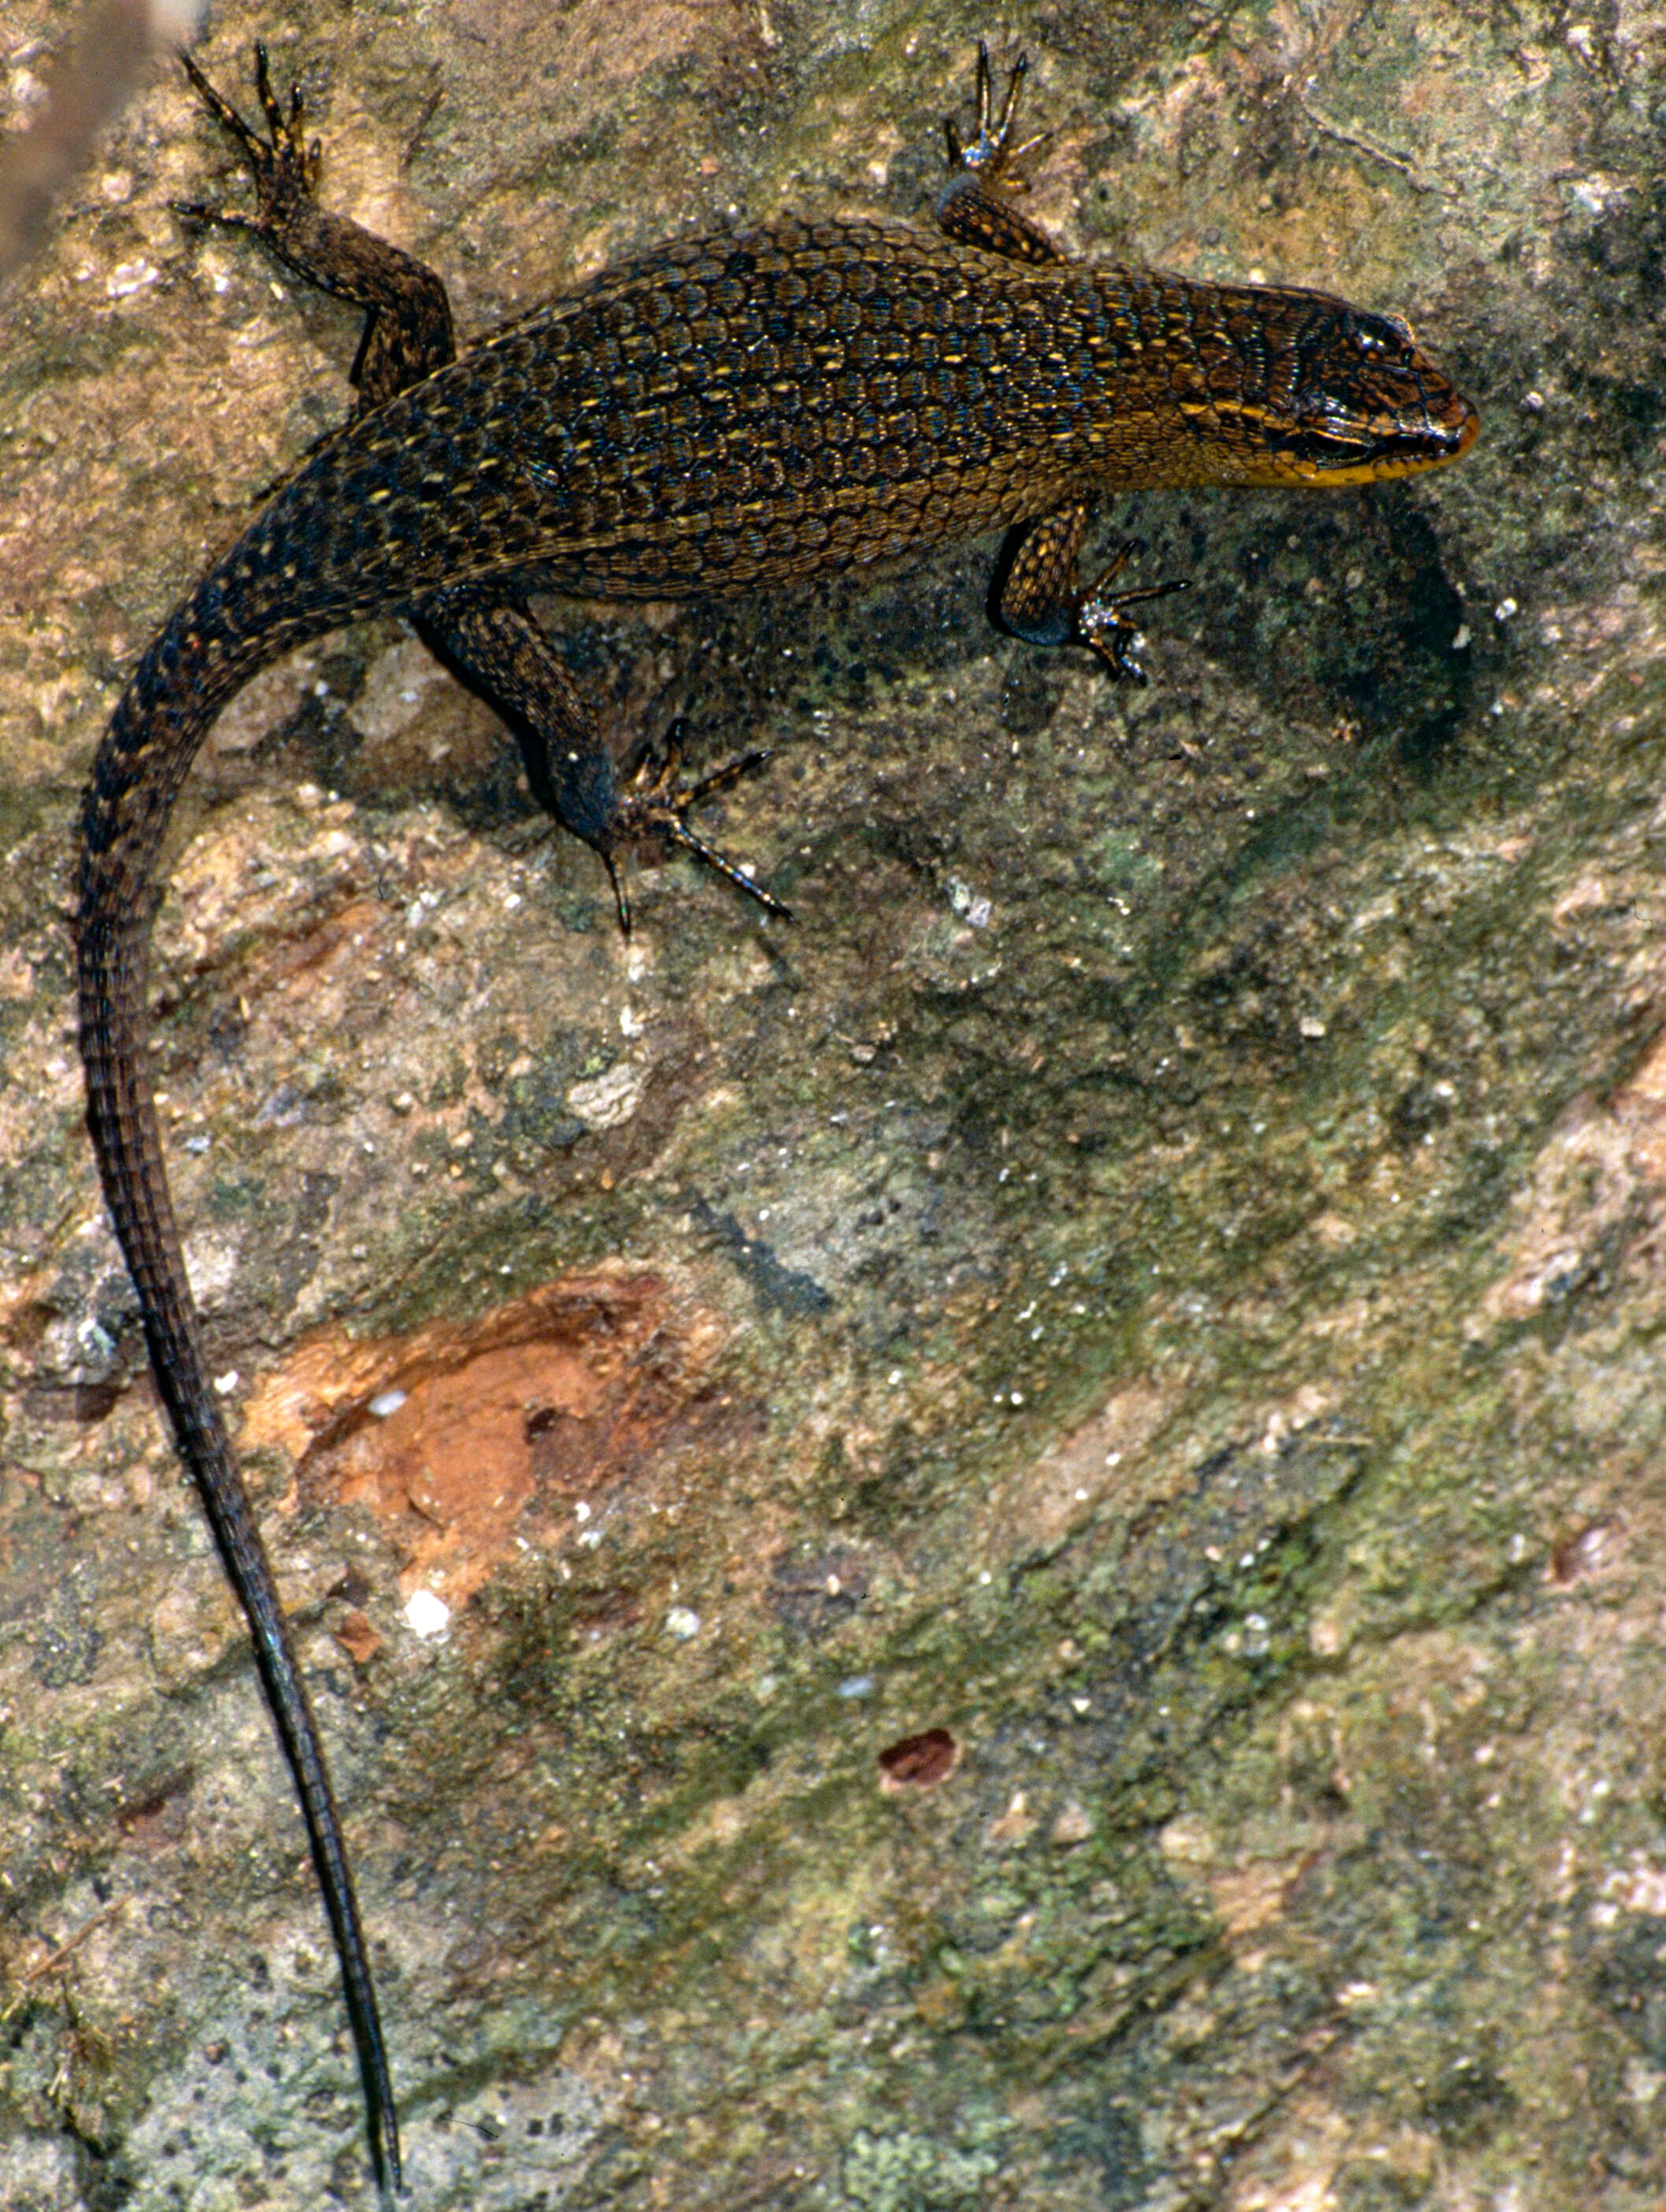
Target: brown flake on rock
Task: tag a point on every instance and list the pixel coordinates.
(358, 1637)
(918, 1762)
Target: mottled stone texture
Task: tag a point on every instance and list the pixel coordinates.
(1048, 1487)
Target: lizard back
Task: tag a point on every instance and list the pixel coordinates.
(795, 399)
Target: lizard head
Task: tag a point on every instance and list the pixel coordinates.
(1353, 399)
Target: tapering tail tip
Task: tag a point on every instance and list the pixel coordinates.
(392, 2194)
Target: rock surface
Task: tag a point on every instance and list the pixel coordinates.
(1001, 1550)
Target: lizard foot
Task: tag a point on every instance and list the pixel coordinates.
(991, 154)
(284, 167)
(655, 804)
(1102, 623)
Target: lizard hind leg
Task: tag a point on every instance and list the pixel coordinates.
(408, 332)
(656, 804)
(493, 642)
(283, 166)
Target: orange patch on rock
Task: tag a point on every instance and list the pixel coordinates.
(463, 1439)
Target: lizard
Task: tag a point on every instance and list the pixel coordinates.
(763, 406)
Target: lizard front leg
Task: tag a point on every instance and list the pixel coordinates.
(973, 209)
(1039, 598)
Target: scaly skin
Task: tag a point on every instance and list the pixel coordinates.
(736, 412)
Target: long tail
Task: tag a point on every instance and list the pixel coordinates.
(190, 672)
(417, 494)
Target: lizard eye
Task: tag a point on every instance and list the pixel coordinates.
(1383, 337)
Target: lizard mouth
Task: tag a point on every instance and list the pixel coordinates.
(1351, 450)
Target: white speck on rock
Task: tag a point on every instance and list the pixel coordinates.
(429, 1616)
(130, 277)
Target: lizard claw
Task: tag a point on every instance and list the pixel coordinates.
(1101, 622)
(991, 153)
(654, 804)
(283, 166)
